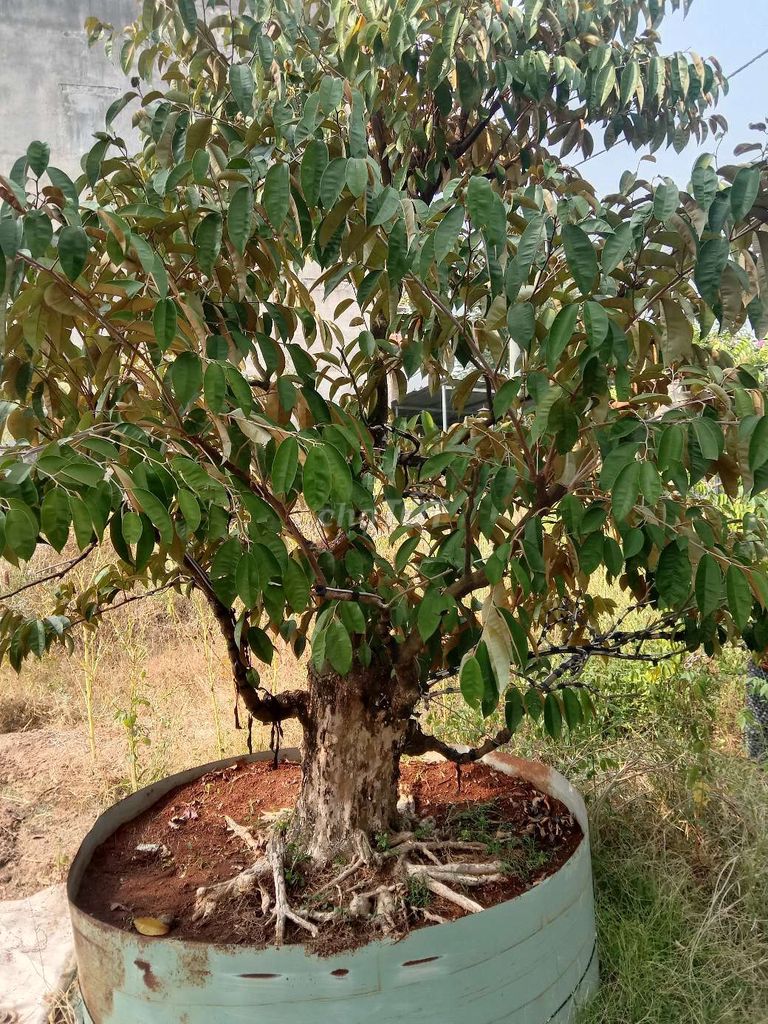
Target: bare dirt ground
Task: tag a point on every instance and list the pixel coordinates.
(50, 793)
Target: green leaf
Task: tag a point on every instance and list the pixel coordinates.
(157, 513)
(332, 182)
(572, 709)
(431, 609)
(38, 233)
(514, 709)
(447, 233)
(215, 387)
(81, 521)
(186, 373)
(616, 248)
(317, 478)
(38, 155)
(705, 185)
(504, 397)
(521, 323)
(739, 596)
(261, 645)
(560, 334)
(65, 185)
(341, 476)
(296, 587)
(709, 437)
(190, 509)
(670, 446)
(553, 716)
(581, 257)
(277, 190)
(21, 529)
(223, 571)
(480, 197)
(397, 253)
(471, 682)
(242, 84)
(650, 483)
(625, 491)
(666, 199)
(73, 248)
(673, 576)
(389, 206)
(596, 322)
(357, 176)
(248, 579)
(338, 647)
(285, 465)
(712, 260)
(758, 444)
(132, 528)
(744, 190)
(208, 241)
(239, 217)
(358, 136)
(709, 585)
(188, 15)
(55, 517)
(313, 165)
(164, 320)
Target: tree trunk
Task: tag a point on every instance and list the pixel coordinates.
(353, 741)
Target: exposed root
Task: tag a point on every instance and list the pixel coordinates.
(283, 911)
(348, 872)
(424, 861)
(257, 845)
(453, 897)
(208, 898)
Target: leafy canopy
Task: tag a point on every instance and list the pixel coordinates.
(173, 387)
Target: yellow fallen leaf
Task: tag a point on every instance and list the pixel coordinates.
(150, 926)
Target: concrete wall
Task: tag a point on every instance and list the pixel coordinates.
(52, 87)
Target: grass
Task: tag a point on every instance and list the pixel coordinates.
(679, 816)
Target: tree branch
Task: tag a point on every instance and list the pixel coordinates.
(270, 708)
(51, 576)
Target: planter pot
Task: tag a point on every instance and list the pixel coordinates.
(530, 960)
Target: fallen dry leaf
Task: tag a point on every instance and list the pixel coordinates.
(150, 926)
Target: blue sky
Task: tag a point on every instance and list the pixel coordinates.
(731, 30)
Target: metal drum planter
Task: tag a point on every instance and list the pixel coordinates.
(531, 960)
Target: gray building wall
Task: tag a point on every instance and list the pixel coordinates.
(52, 86)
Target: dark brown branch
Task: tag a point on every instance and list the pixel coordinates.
(267, 708)
(336, 594)
(121, 604)
(419, 742)
(51, 576)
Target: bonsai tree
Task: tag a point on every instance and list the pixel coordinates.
(175, 394)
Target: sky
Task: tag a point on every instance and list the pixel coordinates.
(733, 31)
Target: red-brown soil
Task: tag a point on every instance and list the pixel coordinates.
(198, 848)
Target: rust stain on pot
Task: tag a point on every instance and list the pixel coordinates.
(150, 978)
(424, 960)
(261, 976)
(101, 968)
(340, 972)
(194, 966)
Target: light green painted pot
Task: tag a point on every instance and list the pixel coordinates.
(530, 960)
